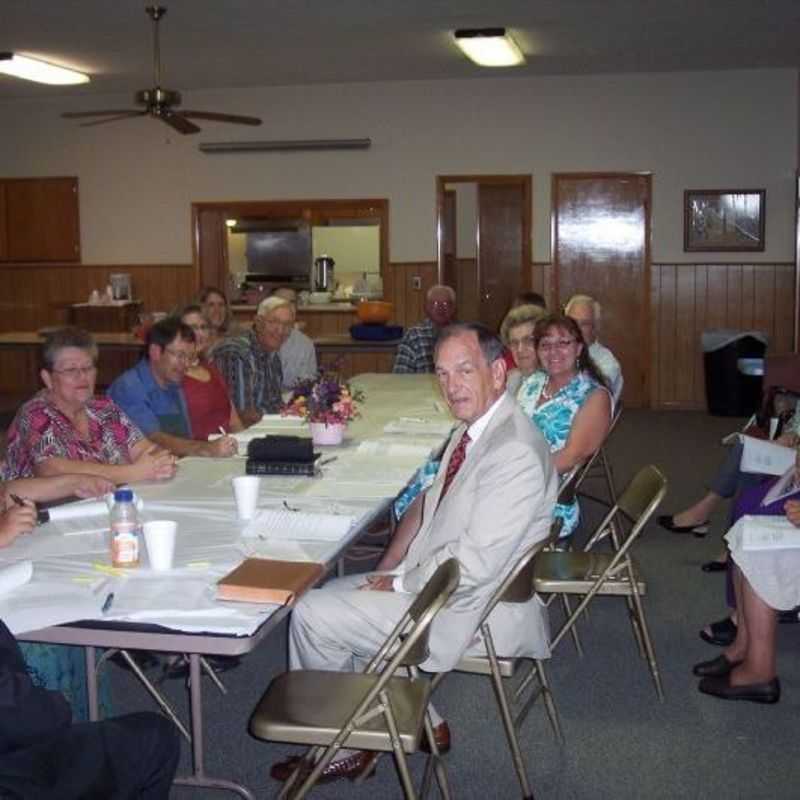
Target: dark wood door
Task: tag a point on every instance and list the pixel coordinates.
(601, 247)
(501, 251)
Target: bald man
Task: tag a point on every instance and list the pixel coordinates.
(415, 351)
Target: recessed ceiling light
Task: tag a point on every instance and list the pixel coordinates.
(489, 47)
(32, 69)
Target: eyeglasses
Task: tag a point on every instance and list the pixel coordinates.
(442, 303)
(555, 344)
(180, 355)
(524, 343)
(75, 373)
(276, 325)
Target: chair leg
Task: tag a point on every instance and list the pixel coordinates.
(397, 747)
(609, 475)
(435, 765)
(574, 628)
(634, 620)
(648, 646)
(505, 715)
(549, 703)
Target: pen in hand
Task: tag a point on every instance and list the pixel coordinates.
(42, 515)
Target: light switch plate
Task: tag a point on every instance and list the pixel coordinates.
(416, 282)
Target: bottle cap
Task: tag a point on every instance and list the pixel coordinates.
(123, 496)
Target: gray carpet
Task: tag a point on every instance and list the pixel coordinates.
(621, 742)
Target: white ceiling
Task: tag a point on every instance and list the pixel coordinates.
(236, 43)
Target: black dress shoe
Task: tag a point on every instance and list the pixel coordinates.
(714, 566)
(723, 632)
(715, 668)
(354, 766)
(767, 692)
(667, 521)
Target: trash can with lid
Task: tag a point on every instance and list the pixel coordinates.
(734, 368)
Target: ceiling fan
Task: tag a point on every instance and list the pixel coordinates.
(160, 103)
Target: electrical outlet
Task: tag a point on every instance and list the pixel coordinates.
(416, 282)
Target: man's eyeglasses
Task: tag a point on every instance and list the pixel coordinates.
(75, 373)
(180, 355)
(555, 344)
(442, 303)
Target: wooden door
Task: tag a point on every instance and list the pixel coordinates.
(601, 247)
(501, 256)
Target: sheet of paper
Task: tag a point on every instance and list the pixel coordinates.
(299, 525)
(764, 533)
(765, 457)
(39, 605)
(783, 487)
(12, 576)
(417, 426)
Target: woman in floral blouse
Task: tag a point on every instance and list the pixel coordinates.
(568, 401)
(65, 429)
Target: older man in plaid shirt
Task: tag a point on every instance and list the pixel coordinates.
(415, 351)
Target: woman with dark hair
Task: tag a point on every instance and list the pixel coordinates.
(567, 399)
(207, 398)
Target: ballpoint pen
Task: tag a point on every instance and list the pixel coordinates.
(108, 602)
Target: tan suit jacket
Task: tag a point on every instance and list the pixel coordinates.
(500, 502)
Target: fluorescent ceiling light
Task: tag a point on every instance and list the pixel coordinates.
(31, 69)
(489, 47)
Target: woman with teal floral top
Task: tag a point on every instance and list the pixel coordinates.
(567, 400)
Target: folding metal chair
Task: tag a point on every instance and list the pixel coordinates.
(599, 466)
(372, 710)
(516, 588)
(589, 573)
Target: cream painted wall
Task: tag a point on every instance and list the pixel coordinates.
(734, 129)
(355, 249)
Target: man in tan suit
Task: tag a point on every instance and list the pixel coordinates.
(492, 498)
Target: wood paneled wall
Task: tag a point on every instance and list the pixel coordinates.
(398, 289)
(687, 299)
(37, 295)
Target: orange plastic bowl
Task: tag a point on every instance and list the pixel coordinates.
(374, 312)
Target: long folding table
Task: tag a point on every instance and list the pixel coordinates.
(403, 421)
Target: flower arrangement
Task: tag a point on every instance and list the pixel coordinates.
(325, 399)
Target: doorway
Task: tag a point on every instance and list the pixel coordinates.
(484, 242)
(601, 247)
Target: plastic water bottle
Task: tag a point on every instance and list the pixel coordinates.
(124, 530)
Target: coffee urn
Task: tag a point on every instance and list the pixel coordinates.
(322, 276)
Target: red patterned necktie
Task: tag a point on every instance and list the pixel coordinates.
(456, 460)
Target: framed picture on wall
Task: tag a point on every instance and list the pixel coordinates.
(723, 219)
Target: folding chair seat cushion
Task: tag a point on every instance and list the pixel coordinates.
(312, 706)
(576, 573)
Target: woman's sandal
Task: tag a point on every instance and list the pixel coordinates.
(721, 633)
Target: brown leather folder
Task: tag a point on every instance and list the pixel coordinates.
(265, 580)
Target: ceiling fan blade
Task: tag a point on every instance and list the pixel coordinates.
(125, 115)
(176, 120)
(211, 115)
(79, 114)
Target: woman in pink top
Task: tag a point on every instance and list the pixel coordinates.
(205, 390)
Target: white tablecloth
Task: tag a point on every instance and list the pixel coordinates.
(72, 576)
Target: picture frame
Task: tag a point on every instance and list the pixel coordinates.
(724, 220)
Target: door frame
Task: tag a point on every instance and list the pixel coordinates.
(525, 181)
(644, 334)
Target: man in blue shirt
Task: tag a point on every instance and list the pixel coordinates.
(150, 393)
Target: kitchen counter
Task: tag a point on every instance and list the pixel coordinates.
(308, 307)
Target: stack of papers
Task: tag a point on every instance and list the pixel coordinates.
(765, 533)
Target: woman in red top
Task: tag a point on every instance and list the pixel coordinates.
(206, 394)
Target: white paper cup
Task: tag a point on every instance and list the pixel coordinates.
(159, 535)
(245, 490)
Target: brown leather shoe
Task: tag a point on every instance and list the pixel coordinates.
(441, 735)
(352, 767)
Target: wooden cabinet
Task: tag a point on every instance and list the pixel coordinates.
(40, 220)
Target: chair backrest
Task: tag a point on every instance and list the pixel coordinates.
(518, 584)
(641, 492)
(413, 630)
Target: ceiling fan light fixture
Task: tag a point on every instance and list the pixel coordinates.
(33, 69)
(489, 47)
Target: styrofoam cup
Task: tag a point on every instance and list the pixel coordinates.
(245, 490)
(159, 535)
